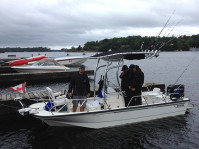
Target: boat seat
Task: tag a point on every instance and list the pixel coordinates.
(156, 91)
(55, 95)
(93, 105)
(60, 102)
(58, 99)
(154, 96)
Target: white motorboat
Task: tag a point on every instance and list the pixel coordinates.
(110, 110)
(43, 65)
(26, 60)
(72, 60)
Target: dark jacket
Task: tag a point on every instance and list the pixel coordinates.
(79, 84)
(137, 79)
(125, 81)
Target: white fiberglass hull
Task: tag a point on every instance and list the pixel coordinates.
(33, 69)
(71, 61)
(115, 117)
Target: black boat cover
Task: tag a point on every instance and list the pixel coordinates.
(125, 54)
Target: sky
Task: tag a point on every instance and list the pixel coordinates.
(60, 24)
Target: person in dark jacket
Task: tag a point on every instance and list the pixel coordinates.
(79, 88)
(125, 83)
(136, 82)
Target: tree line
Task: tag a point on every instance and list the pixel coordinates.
(182, 43)
(18, 49)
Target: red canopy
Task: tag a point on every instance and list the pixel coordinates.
(26, 61)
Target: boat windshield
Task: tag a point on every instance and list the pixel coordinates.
(43, 64)
(36, 64)
(48, 64)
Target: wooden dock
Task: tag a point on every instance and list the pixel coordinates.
(43, 94)
(9, 107)
(6, 69)
(34, 95)
(7, 79)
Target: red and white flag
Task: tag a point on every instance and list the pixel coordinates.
(19, 88)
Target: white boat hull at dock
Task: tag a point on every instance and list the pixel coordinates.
(72, 61)
(38, 69)
(116, 117)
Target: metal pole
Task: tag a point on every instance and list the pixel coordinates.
(120, 63)
(95, 74)
(105, 80)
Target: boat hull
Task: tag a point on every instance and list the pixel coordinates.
(116, 117)
(71, 61)
(33, 69)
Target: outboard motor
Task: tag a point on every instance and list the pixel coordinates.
(175, 91)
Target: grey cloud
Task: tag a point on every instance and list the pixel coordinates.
(68, 23)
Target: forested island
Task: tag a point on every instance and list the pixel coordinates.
(19, 49)
(182, 43)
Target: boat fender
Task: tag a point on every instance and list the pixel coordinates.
(24, 111)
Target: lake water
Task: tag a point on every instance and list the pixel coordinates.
(175, 132)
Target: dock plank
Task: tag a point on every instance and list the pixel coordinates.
(29, 95)
(14, 78)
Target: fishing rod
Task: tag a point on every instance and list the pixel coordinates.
(174, 27)
(185, 69)
(166, 24)
(176, 92)
(169, 34)
(171, 25)
(165, 43)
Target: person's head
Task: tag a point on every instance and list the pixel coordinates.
(81, 69)
(133, 67)
(124, 68)
(136, 68)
